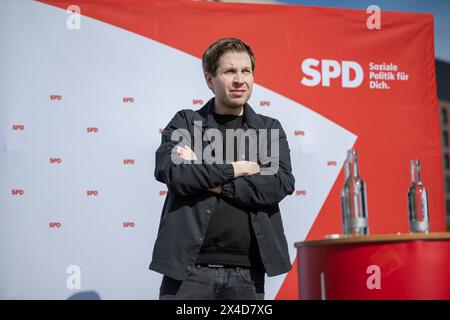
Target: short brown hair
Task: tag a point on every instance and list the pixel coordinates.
(217, 49)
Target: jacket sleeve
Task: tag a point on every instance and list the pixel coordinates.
(260, 190)
(182, 177)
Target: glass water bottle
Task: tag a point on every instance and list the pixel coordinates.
(354, 199)
(344, 202)
(417, 201)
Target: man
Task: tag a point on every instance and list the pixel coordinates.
(221, 228)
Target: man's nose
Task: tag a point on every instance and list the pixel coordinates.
(238, 78)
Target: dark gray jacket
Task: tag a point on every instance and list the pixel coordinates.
(188, 204)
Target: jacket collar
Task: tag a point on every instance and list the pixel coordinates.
(206, 112)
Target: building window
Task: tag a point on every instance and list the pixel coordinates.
(447, 184)
(446, 161)
(444, 115)
(448, 207)
(445, 138)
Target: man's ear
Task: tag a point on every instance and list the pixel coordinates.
(209, 81)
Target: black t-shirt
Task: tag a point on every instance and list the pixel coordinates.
(230, 238)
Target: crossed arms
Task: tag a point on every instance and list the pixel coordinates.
(240, 182)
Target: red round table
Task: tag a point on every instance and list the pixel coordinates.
(393, 266)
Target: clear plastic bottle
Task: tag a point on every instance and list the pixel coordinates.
(417, 201)
(354, 199)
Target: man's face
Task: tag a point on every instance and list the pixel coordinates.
(233, 82)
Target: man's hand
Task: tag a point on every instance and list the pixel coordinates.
(245, 168)
(186, 153)
(217, 189)
(241, 168)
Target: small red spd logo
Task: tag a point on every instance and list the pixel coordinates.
(54, 225)
(92, 193)
(55, 160)
(55, 97)
(17, 192)
(92, 130)
(18, 127)
(128, 224)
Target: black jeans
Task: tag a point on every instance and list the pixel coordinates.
(215, 283)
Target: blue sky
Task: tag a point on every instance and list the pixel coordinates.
(439, 8)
